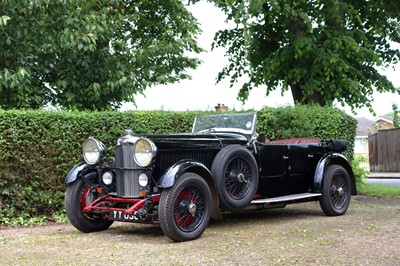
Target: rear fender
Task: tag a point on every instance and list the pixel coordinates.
(329, 159)
(78, 170)
(175, 171)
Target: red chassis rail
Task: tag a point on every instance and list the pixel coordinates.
(99, 205)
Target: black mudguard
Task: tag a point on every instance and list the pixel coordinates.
(324, 162)
(78, 170)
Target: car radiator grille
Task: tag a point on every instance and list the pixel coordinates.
(127, 179)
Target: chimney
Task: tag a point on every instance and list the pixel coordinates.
(221, 107)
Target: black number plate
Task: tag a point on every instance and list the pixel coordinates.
(120, 216)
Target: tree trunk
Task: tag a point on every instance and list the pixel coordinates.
(298, 97)
(297, 93)
(297, 33)
(316, 98)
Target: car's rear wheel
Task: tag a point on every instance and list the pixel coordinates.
(336, 193)
(79, 195)
(185, 208)
(235, 172)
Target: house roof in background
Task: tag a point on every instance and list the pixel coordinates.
(385, 118)
(363, 125)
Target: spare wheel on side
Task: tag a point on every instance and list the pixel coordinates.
(235, 173)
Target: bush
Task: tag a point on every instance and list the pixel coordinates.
(303, 121)
(360, 173)
(39, 148)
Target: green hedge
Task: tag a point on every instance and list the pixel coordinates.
(38, 148)
(307, 121)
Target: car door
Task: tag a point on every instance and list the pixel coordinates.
(298, 160)
(272, 160)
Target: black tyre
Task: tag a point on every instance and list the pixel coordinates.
(185, 208)
(336, 193)
(77, 197)
(235, 172)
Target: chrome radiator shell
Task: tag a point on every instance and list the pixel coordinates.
(127, 179)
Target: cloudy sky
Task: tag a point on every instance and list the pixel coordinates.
(202, 92)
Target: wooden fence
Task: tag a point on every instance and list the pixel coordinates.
(384, 151)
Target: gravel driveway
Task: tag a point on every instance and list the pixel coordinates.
(368, 234)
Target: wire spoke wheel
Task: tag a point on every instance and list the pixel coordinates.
(87, 197)
(80, 194)
(336, 194)
(189, 209)
(185, 208)
(238, 178)
(235, 173)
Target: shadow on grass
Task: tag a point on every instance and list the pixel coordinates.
(291, 213)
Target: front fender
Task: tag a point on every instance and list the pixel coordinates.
(328, 159)
(175, 171)
(82, 167)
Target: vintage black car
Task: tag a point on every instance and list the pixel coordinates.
(180, 181)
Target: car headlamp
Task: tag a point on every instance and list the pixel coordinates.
(143, 179)
(107, 178)
(144, 152)
(93, 150)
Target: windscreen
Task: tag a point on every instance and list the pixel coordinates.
(240, 122)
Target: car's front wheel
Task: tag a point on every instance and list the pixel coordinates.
(79, 195)
(185, 208)
(336, 194)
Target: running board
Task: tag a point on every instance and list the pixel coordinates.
(286, 198)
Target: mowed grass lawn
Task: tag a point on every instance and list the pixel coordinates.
(379, 191)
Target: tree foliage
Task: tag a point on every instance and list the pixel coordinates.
(91, 54)
(322, 50)
(396, 122)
